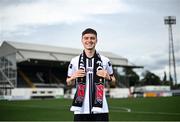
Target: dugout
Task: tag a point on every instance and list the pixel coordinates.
(38, 70)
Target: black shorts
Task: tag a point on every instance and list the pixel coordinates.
(91, 117)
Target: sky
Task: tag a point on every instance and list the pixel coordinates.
(133, 29)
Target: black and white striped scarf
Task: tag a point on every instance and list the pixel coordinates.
(98, 83)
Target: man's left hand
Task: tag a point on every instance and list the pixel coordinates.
(103, 73)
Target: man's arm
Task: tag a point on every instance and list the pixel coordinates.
(113, 81)
(70, 81)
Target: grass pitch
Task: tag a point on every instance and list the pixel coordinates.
(133, 109)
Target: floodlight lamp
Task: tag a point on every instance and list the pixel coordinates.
(170, 20)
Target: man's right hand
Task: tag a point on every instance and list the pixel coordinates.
(79, 73)
(71, 80)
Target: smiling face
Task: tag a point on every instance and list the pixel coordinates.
(89, 41)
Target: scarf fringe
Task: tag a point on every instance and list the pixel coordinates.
(79, 109)
(97, 109)
(76, 108)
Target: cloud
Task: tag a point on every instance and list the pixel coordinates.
(48, 12)
(138, 35)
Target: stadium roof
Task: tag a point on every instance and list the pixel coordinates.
(26, 51)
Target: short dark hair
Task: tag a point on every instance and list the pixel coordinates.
(89, 30)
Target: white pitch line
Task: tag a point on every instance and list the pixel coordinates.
(163, 113)
(124, 109)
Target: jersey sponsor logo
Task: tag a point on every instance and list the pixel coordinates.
(89, 70)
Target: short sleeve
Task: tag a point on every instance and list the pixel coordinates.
(107, 64)
(109, 67)
(71, 69)
(72, 66)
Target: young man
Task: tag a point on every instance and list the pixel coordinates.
(89, 71)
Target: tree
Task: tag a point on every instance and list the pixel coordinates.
(167, 82)
(131, 77)
(150, 79)
(164, 78)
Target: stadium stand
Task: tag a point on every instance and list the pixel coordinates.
(40, 70)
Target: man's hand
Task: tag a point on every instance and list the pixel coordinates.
(103, 73)
(79, 73)
(71, 80)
